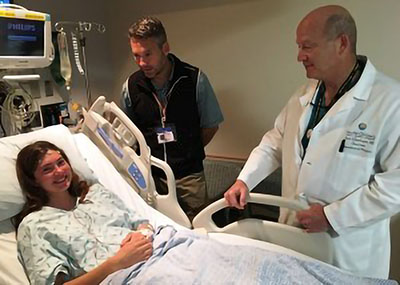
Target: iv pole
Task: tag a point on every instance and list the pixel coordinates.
(82, 42)
(80, 28)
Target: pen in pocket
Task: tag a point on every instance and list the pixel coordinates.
(342, 145)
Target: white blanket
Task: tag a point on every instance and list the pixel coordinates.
(183, 257)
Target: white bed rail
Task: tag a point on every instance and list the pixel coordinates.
(116, 136)
(316, 245)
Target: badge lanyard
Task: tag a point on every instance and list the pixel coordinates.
(167, 132)
(320, 102)
(163, 109)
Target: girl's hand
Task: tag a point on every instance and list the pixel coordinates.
(134, 248)
(147, 230)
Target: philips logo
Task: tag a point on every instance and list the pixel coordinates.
(21, 27)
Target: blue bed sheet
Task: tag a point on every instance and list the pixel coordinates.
(183, 257)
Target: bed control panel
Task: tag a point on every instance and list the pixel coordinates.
(137, 175)
(117, 151)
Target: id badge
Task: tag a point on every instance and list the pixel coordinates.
(166, 135)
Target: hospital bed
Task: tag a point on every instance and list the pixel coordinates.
(114, 133)
(92, 164)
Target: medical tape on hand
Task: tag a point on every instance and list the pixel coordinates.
(146, 232)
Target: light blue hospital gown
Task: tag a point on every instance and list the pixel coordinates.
(52, 240)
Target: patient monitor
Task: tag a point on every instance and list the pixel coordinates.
(26, 44)
(25, 38)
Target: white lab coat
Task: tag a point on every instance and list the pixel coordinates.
(360, 186)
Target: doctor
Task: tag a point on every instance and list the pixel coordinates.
(337, 141)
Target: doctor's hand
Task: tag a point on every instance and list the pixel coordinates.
(134, 248)
(313, 219)
(235, 196)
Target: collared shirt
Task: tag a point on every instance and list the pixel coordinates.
(319, 107)
(207, 104)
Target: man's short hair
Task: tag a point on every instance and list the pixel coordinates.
(339, 24)
(148, 27)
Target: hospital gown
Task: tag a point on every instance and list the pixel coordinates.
(53, 240)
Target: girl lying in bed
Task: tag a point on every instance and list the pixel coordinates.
(73, 233)
(65, 230)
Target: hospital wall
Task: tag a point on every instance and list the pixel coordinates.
(248, 50)
(246, 47)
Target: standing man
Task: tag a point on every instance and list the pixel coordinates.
(337, 141)
(175, 107)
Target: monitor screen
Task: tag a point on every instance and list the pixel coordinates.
(25, 39)
(6, 2)
(21, 37)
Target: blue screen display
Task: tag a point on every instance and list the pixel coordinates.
(5, 2)
(21, 37)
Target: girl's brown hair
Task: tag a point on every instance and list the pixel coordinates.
(28, 160)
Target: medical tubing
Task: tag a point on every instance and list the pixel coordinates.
(21, 115)
(75, 46)
(87, 84)
(18, 114)
(5, 120)
(4, 113)
(1, 126)
(65, 64)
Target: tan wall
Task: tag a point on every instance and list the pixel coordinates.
(248, 50)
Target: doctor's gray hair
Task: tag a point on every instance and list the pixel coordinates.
(148, 28)
(342, 23)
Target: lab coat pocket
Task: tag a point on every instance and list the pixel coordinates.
(349, 171)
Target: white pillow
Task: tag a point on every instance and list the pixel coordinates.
(11, 198)
(11, 270)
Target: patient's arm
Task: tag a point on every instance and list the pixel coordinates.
(137, 249)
